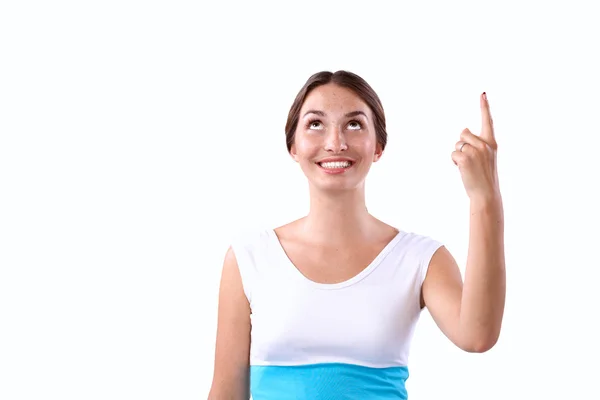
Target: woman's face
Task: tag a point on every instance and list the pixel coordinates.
(335, 142)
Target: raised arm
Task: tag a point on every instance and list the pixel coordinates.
(231, 367)
(471, 314)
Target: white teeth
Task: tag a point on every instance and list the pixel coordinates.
(335, 164)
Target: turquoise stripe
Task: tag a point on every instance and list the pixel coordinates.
(335, 381)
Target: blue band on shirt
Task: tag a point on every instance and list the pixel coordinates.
(328, 381)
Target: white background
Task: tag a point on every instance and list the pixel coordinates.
(138, 137)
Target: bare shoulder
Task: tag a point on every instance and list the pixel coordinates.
(443, 280)
(441, 293)
(230, 266)
(232, 350)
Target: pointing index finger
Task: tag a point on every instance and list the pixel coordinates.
(487, 124)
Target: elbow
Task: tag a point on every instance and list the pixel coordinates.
(479, 347)
(480, 344)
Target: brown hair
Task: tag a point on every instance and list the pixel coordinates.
(344, 79)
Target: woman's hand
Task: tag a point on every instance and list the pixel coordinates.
(475, 157)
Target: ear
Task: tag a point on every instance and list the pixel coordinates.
(378, 153)
(293, 153)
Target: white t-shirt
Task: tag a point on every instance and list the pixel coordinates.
(347, 340)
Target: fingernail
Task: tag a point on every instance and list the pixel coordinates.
(484, 96)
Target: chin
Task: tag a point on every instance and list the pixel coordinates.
(337, 184)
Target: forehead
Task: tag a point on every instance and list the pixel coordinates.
(333, 99)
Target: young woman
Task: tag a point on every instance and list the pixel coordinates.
(325, 307)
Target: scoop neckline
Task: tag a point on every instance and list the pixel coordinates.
(299, 276)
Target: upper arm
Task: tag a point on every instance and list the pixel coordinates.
(232, 350)
(442, 294)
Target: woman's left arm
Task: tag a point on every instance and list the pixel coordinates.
(471, 314)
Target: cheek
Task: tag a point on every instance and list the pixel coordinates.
(305, 146)
(363, 144)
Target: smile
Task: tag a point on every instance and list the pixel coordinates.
(335, 167)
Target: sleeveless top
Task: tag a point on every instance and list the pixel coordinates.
(316, 341)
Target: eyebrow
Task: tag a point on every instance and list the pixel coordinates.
(321, 113)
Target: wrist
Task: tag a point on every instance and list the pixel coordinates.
(486, 201)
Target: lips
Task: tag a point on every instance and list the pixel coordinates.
(335, 159)
(335, 166)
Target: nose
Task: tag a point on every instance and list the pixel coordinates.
(335, 141)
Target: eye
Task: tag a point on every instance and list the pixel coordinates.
(313, 124)
(355, 125)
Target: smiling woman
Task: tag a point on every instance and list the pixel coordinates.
(333, 131)
(325, 306)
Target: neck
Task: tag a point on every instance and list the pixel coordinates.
(338, 217)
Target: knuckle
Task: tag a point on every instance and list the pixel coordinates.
(491, 147)
(481, 145)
